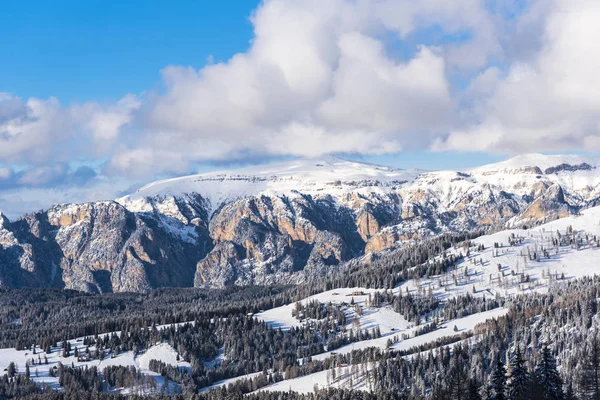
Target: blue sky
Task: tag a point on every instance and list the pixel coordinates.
(97, 97)
(99, 50)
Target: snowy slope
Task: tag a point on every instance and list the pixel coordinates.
(538, 160)
(482, 266)
(310, 176)
(306, 384)
(40, 373)
(521, 172)
(570, 261)
(281, 317)
(336, 176)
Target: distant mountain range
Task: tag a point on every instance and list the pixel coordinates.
(279, 223)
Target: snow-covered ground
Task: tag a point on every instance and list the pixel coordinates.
(359, 381)
(227, 382)
(281, 317)
(345, 378)
(483, 277)
(40, 372)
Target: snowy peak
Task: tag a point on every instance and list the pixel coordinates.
(329, 175)
(329, 169)
(545, 164)
(4, 223)
(510, 185)
(337, 176)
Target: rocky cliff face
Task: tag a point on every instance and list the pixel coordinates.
(94, 247)
(278, 223)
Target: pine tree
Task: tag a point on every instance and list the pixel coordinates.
(519, 380)
(11, 371)
(548, 377)
(498, 384)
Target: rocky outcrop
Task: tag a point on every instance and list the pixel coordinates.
(550, 206)
(97, 247)
(219, 267)
(564, 167)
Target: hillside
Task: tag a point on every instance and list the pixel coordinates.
(518, 287)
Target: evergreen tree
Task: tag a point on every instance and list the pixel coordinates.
(458, 376)
(519, 380)
(498, 384)
(548, 378)
(11, 371)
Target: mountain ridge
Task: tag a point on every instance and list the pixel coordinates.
(281, 223)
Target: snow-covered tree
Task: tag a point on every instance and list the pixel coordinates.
(498, 383)
(519, 379)
(547, 376)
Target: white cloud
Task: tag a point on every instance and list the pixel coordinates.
(549, 102)
(37, 131)
(344, 76)
(372, 92)
(105, 123)
(30, 128)
(319, 78)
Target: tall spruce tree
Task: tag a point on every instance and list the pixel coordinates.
(547, 376)
(473, 390)
(519, 379)
(498, 383)
(458, 376)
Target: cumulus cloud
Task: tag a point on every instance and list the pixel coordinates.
(337, 76)
(319, 77)
(549, 102)
(29, 128)
(37, 131)
(105, 123)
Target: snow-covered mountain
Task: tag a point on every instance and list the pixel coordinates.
(337, 176)
(526, 177)
(280, 222)
(308, 176)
